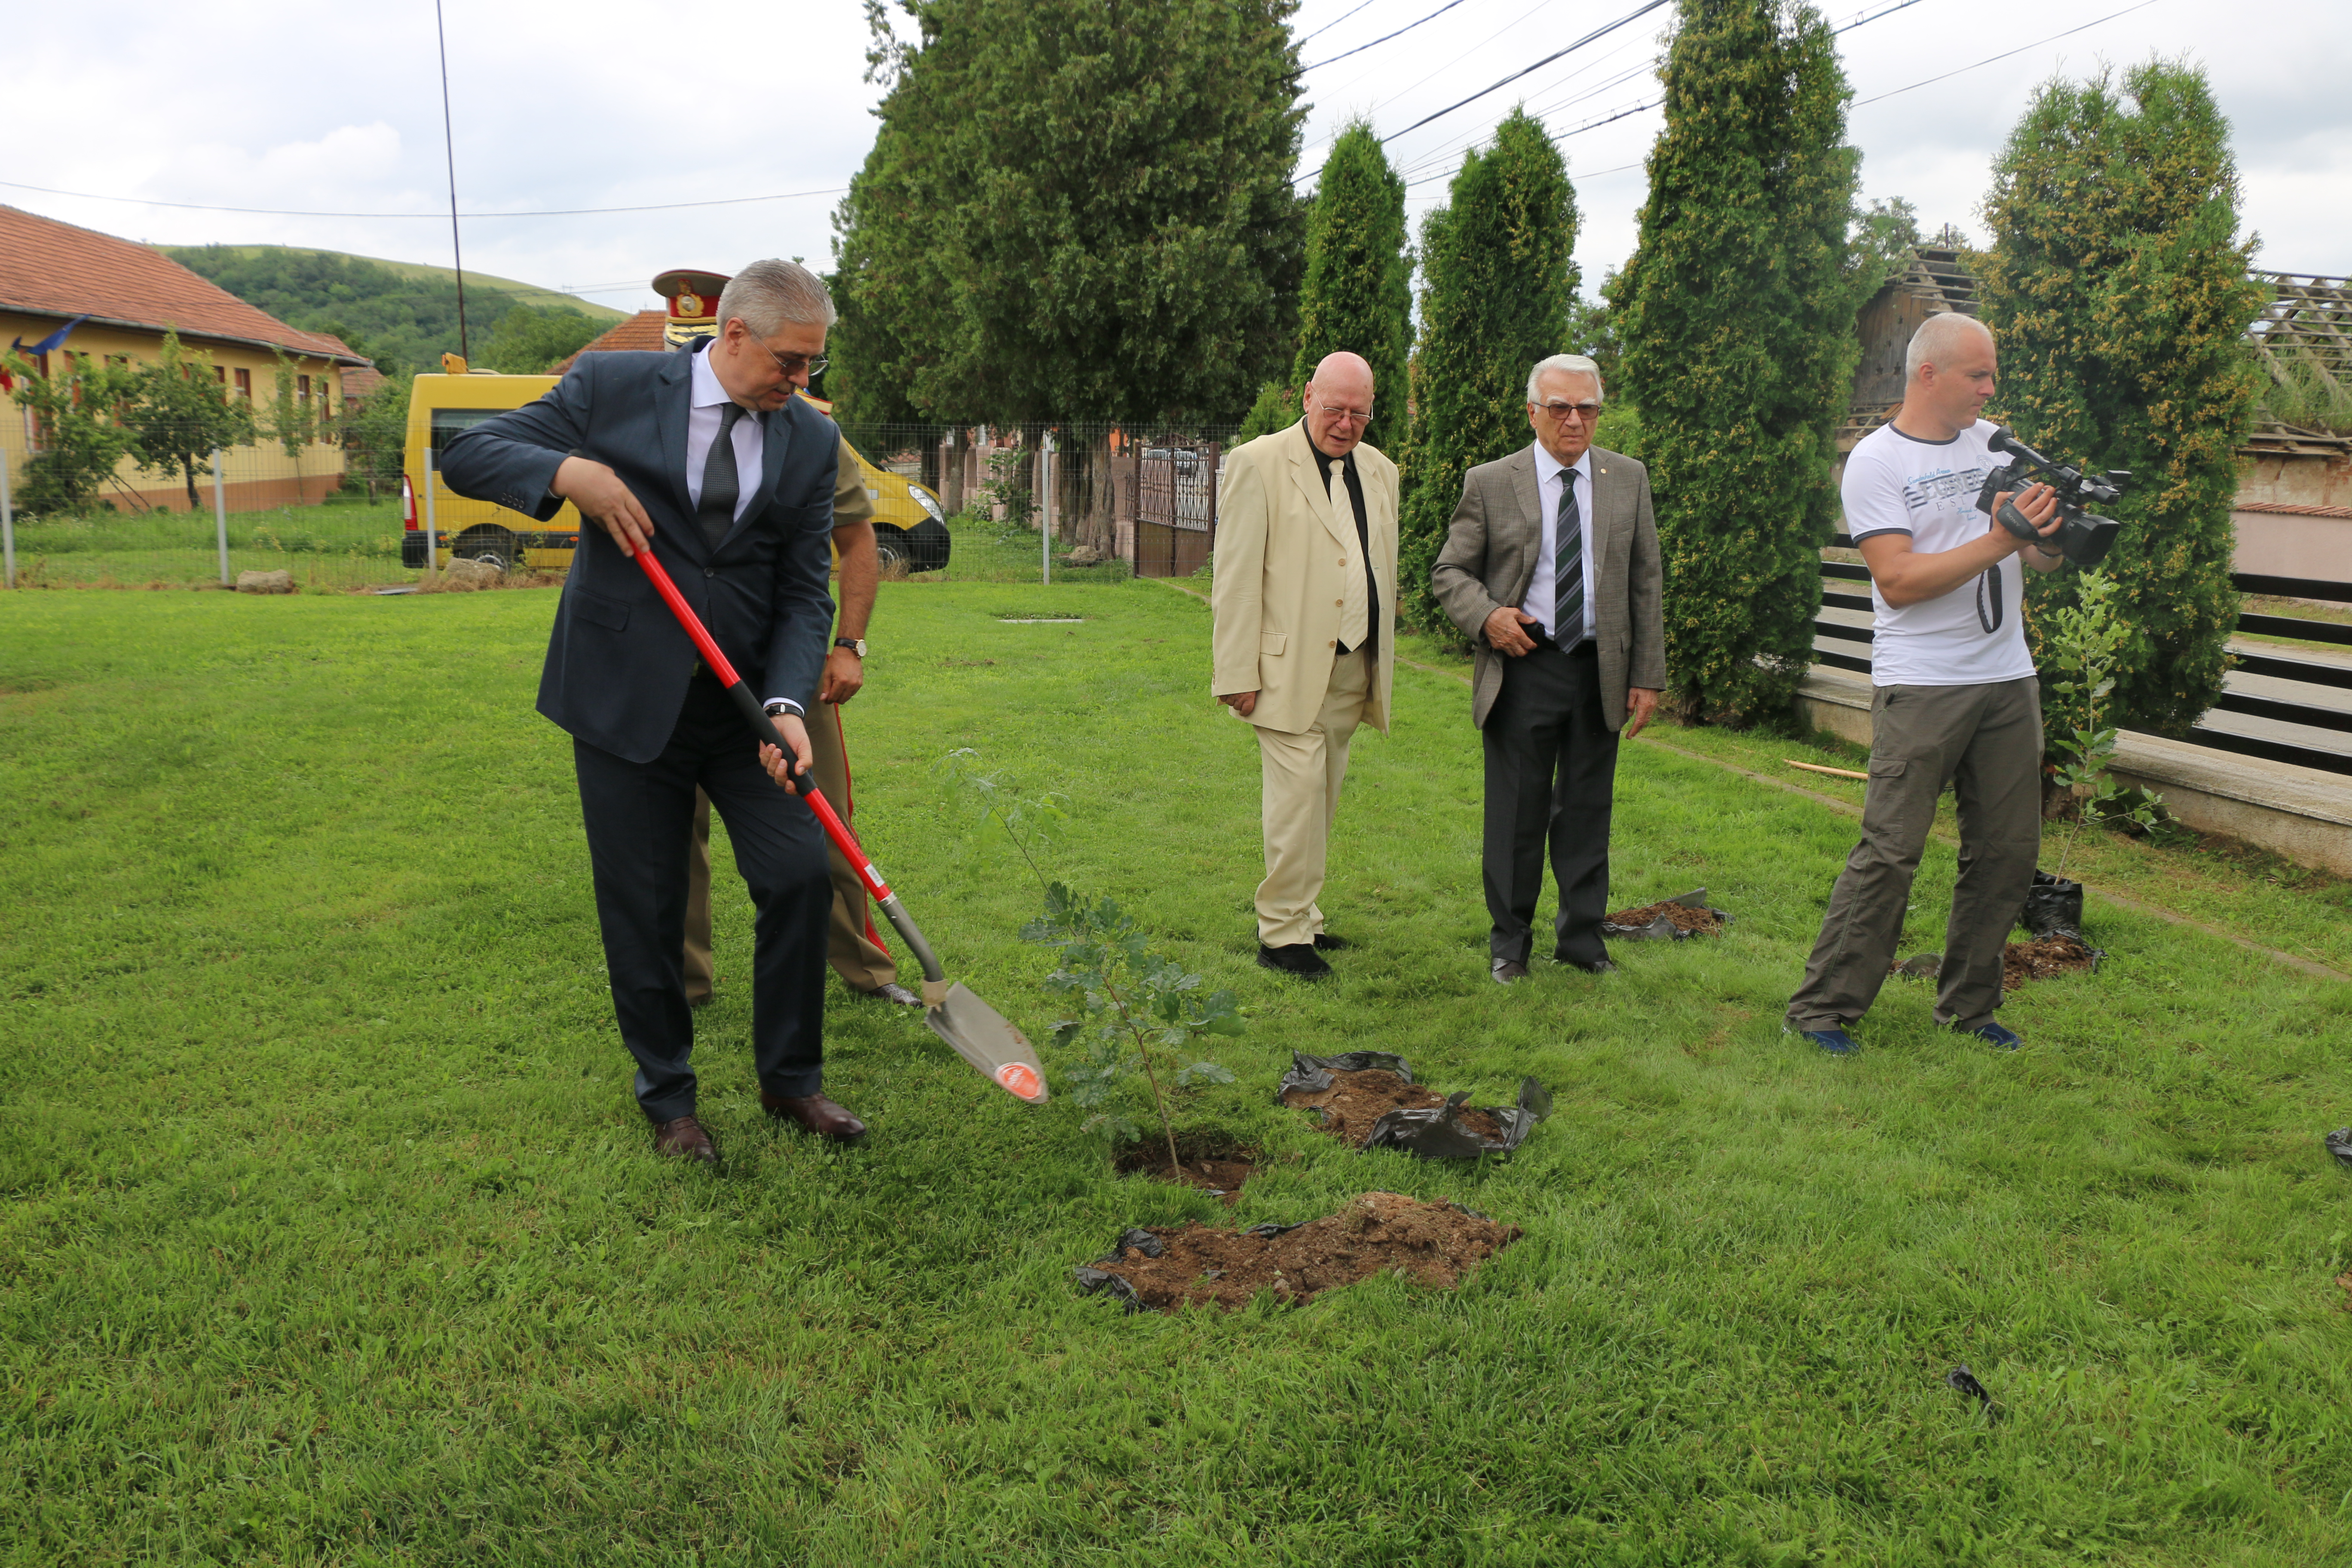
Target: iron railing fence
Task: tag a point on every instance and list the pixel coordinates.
(2262, 686)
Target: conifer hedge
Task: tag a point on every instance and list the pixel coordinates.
(1359, 291)
(1498, 283)
(2116, 287)
(1737, 317)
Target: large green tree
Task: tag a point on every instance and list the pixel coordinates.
(1074, 210)
(2117, 287)
(1737, 320)
(1358, 294)
(78, 417)
(1497, 284)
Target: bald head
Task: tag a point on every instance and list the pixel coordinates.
(1337, 403)
(1949, 374)
(1943, 340)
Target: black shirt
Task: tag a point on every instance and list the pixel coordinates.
(1364, 536)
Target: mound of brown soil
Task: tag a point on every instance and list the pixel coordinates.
(1684, 916)
(1357, 1099)
(2043, 957)
(1432, 1243)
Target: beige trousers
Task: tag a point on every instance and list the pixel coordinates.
(863, 963)
(1299, 778)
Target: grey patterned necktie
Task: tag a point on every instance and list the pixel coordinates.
(721, 486)
(1567, 554)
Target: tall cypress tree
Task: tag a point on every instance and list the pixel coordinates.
(1497, 283)
(2117, 287)
(1359, 294)
(1736, 315)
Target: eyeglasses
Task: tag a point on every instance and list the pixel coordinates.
(1352, 416)
(795, 364)
(1560, 412)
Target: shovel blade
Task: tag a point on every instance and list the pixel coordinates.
(987, 1039)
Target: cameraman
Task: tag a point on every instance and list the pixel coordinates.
(1953, 699)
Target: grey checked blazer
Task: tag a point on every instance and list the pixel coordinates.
(1489, 559)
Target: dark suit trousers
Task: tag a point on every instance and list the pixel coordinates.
(639, 816)
(1551, 767)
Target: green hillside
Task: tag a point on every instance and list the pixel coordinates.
(403, 315)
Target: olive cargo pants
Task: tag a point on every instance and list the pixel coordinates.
(1986, 740)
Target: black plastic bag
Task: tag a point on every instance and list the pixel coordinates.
(1313, 1074)
(2339, 1143)
(1439, 1133)
(2054, 907)
(1663, 929)
(1094, 1280)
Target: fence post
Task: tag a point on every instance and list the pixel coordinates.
(220, 515)
(1045, 512)
(8, 525)
(432, 466)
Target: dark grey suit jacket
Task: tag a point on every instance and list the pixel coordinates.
(618, 662)
(1489, 559)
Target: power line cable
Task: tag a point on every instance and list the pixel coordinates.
(449, 143)
(2053, 38)
(1333, 23)
(1602, 31)
(1399, 33)
(434, 216)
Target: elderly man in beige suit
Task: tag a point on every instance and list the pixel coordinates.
(1306, 620)
(1551, 569)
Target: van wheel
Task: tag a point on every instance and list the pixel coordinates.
(490, 544)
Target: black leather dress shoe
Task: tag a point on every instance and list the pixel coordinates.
(1298, 960)
(815, 1113)
(1598, 966)
(1508, 971)
(683, 1138)
(1326, 942)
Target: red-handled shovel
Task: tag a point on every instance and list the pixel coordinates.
(974, 1030)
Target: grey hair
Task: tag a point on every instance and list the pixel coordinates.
(1573, 365)
(1935, 338)
(769, 294)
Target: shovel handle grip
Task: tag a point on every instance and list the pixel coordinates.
(802, 784)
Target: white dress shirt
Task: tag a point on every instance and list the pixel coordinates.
(704, 399)
(1546, 578)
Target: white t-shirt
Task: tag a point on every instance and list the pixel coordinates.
(1894, 484)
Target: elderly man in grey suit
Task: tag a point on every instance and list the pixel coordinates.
(1550, 568)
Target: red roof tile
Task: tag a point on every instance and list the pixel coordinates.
(640, 331)
(53, 269)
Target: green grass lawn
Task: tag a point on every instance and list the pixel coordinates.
(340, 545)
(332, 1234)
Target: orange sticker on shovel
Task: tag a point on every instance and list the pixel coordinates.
(1021, 1079)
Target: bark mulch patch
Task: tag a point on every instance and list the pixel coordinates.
(2045, 956)
(1215, 1164)
(1367, 1098)
(1164, 1267)
(1669, 919)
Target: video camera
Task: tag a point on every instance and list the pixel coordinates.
(2084, 537)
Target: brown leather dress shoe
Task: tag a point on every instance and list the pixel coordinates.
(815, 1113)
(685, 1138)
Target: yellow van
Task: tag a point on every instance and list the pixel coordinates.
(909, 524)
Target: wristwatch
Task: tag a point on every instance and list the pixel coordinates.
(855, 645)
(776, 707)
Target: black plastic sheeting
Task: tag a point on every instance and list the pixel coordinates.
(2054, 907)
(2339, 1143)
(1662, 929)
(1963, 1381)
(1437, 1132)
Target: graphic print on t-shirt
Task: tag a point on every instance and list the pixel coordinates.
(1943, 486)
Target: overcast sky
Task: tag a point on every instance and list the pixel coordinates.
(326, 109)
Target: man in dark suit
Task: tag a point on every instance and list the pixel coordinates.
(1551, 569)
(707, 461)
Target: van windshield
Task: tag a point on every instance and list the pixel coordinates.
(448, 421)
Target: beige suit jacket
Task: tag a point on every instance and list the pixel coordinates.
(1489, 559)
(1285, 549)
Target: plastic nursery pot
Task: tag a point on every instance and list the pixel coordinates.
(2054, 907)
